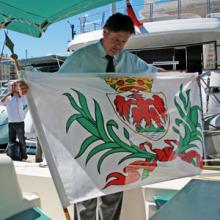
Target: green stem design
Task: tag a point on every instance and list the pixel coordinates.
(102, 138)
(189, 121)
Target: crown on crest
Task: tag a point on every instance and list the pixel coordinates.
(123, 84)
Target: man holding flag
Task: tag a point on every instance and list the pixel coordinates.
(107, 55)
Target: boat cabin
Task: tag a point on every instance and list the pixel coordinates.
(175, 35)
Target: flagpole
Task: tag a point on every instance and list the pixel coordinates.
(66, 213)
(16, 64)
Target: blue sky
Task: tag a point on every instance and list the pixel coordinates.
(54, 40)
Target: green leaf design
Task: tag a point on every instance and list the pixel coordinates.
(184, 100)
(73, 103)
(100, 123)
(86, 143)
(187, 134)
(126, 134)
(145, 174)
(176, 130)
(88, 125)
(113, 135)
(99, 148)
(108, 142)
(189, 116)
(108, 153)
(71, 119)
(83, 103)
(179, 121)
(194, 114)
(186, 147)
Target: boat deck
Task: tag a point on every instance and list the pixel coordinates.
(137, 204)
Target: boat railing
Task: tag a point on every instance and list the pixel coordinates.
(156, 10)
(92, 22)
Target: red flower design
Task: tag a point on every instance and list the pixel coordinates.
(190, 156)
(132, 171)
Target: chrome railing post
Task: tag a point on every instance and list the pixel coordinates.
(179, 9)
(208, 7)
(151, 11)
(103, 19)
(82, 24)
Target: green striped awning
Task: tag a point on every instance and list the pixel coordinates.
(33, 17)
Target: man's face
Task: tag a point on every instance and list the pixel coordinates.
(14, 87)
(114, 42)
(22, 88)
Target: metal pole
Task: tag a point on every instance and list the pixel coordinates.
(208, 7)
(179, 9)
(26, 53)
(151, 11)
(72, 31)
(113, 8)
(82, 24)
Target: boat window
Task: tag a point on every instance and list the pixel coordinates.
(209, 56)
(160, 57)
(194, 59)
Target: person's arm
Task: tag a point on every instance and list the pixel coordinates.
(4, 99)
(143, 66)
(151, 67)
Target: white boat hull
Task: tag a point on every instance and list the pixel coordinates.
(162, 34)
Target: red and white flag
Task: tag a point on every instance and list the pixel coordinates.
(105, 134)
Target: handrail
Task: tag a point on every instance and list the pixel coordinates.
(153, 11)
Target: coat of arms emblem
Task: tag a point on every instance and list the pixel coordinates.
(140, 109)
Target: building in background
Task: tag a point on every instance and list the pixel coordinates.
(49, 63)
(7, 69)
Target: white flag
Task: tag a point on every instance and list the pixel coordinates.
(107, 133)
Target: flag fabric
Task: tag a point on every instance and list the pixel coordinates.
(132, 15)
(9, 43)
(105, 133)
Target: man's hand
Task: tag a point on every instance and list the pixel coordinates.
(22, 87)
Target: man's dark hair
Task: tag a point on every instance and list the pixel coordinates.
(119, 22)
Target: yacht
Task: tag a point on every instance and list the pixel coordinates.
(177, 35)
(185, 33)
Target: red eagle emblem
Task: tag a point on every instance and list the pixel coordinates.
(143, 111)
